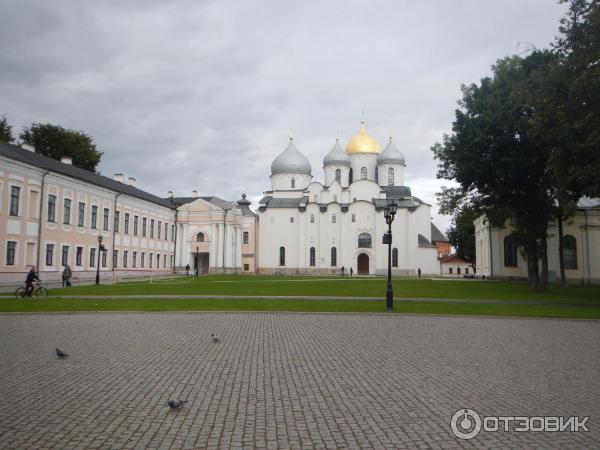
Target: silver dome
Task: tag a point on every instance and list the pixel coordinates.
(291, 161)
(337, 156)
(391, 155)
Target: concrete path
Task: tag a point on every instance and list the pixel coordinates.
(290, 381)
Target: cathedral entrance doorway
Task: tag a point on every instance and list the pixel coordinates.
(362, 264)
(200, 265)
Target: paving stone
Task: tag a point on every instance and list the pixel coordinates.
(290, 380)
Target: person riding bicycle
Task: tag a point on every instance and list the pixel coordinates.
(31, 277)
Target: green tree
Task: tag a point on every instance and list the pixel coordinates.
(499, 168)
(5, 131)
(55, 142)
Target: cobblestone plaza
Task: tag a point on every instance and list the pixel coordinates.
(294, 381)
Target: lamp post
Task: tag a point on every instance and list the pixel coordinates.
(197, 265)
(100, 250)
(389, 213)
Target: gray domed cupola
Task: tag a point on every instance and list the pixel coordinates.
(337, 156)
(290, 170)
(391, 155)
(291, 161)
(336, 165)
(390, 166)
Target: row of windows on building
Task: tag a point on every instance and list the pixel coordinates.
(130, 258)
(312, 258)
(201, 237)
(155, 228)
(363, 176)
(569, 252)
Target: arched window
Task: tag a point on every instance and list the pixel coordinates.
(363, 173)
(293, 182)
(510, 252)
(312, 218)
(364, 240)
(350, 177)
(282, 256)
(391, 176)
(394, 257)
(200, 237)
(333, 218)
(338, 175)
(312, 260)
(570, 252)
(333, 256)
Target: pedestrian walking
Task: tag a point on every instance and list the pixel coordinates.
(343, 268)
(419, 272)
(66, 276)
(351, 271)
(187, 270)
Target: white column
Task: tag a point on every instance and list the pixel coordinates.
(213, 246)
(238, 247)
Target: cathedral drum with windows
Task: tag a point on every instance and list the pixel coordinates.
(311, 227)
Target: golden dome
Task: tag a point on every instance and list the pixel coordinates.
(362, 143)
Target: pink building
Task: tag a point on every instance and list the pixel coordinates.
(52, 214)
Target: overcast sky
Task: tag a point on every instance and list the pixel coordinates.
(202, 95)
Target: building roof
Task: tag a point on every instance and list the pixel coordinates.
(244, 206)
(391, 155)
(270, 202)
(397, 191)
(216, 201)
(453, 258)
(291, 161)
(424, 242)
(337, 156)
(362, 142)
(43, 162)
(437, 235)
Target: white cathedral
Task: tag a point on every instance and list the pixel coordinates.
(309, 227)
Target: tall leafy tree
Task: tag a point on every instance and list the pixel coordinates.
(55, 142)
(5, 131)
(498, 166)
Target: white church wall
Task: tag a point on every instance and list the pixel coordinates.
(286, 181)
(360, 160)
(330, 175)
(383, 169)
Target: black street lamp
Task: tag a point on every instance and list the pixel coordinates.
(100, 250)
(196, 269)
(389, 213)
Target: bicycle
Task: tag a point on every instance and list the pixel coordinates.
(38, 292)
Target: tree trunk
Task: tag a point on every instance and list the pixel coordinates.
(544, 256)
(561, 259)
(533, 269)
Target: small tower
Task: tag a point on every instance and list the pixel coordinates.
(290, 171)
(363, 150)
(390, 166)
(336, 165)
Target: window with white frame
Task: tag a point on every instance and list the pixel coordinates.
(15, 195)
(67, 211)
(11, 252)
(51, 208)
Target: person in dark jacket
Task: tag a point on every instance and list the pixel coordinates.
(31, 277)
(66, 276)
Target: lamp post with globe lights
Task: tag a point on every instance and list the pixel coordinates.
(389, 212)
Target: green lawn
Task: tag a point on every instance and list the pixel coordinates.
(351, 287)
(574, 301)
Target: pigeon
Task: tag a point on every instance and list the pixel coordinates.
(61, 354)
(215, 338)
(176, 404)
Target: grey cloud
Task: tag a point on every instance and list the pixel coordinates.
(201, 95)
